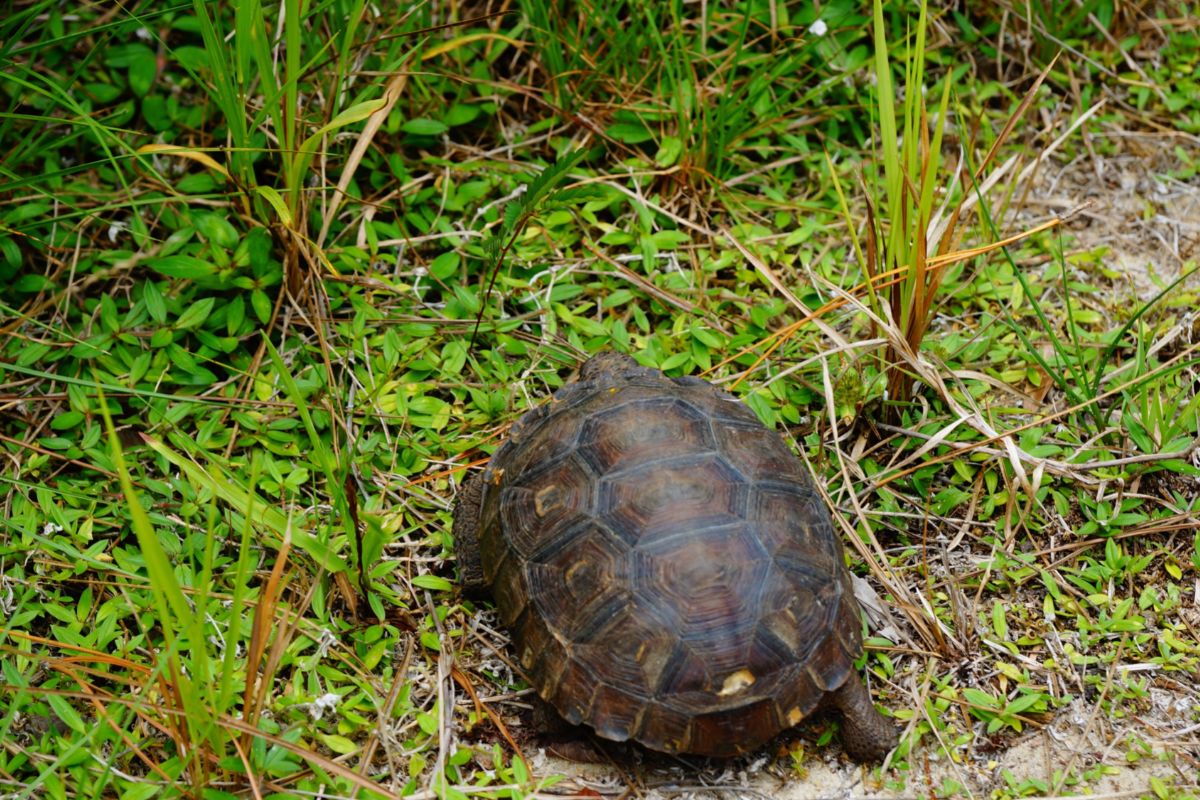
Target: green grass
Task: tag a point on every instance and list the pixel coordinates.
(274, 277)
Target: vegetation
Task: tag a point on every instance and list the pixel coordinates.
(274, 276)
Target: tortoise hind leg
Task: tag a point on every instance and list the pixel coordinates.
(560, 738)
(466, 534)
(867, 736)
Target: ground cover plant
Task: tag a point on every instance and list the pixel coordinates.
(276, 276)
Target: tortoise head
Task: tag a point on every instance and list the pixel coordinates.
(607, 365)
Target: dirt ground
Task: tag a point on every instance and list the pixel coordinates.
(1077, 741)
(1061, 746)
(1147, 220)
(1143, 226)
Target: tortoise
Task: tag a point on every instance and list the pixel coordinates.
(668, 570)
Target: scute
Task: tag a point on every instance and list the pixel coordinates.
(575, 581)
(795, 528)
(672, 497)
(538, 508)
(670, 574)
(706, 585)
(730, 731)
(759, 454)
(537, 446)
(640, 431)
(616, 713)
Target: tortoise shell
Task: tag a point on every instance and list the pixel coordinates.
(668, 571)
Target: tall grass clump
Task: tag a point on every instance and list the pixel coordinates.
(278, 120)
(917, 213)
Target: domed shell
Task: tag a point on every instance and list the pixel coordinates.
(669, 573)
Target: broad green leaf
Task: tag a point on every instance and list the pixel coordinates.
(669, 151)
(126, 55)
(338, 744)
(261, 305)
(156, 305)
(142, 72)
(67, 420)
(195, 314)
(424, 127)
(461, 114)
(30, 282)
(66, 713)
(444, 265)
(217, 229)
(432, 582)
(630, 132)
(180, 266)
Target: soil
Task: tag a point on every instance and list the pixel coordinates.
(1133, 208)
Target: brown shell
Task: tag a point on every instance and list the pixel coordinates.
(668, 571)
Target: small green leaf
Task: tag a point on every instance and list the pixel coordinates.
(338, 744)
(196, 314)
(630, 132)
(444, 265)
(197, 183)
(217, 229)
(669, 150)
(66, 713)
(67, 420)
(123, 56)
(461, 114)
(432, 582)
(424, 127)
(179, 266)
(102, 93)
(142, 71)
(154, 111)
(1023, 704)
(29, 283)
(156, 306)
(145, 791)
(999, 621)
(10, 251)
(675, 361)
(707, 337)
(261, 304)
(983, 700)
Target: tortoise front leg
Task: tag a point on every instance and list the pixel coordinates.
(466, 534)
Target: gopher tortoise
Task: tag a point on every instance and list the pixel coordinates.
(667, 569)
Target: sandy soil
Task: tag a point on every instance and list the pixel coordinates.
(1075, 743)
(1146, 220)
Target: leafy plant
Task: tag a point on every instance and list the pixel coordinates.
(1153, 415)
(1000, 713)
(234, 79)
(539, 196)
